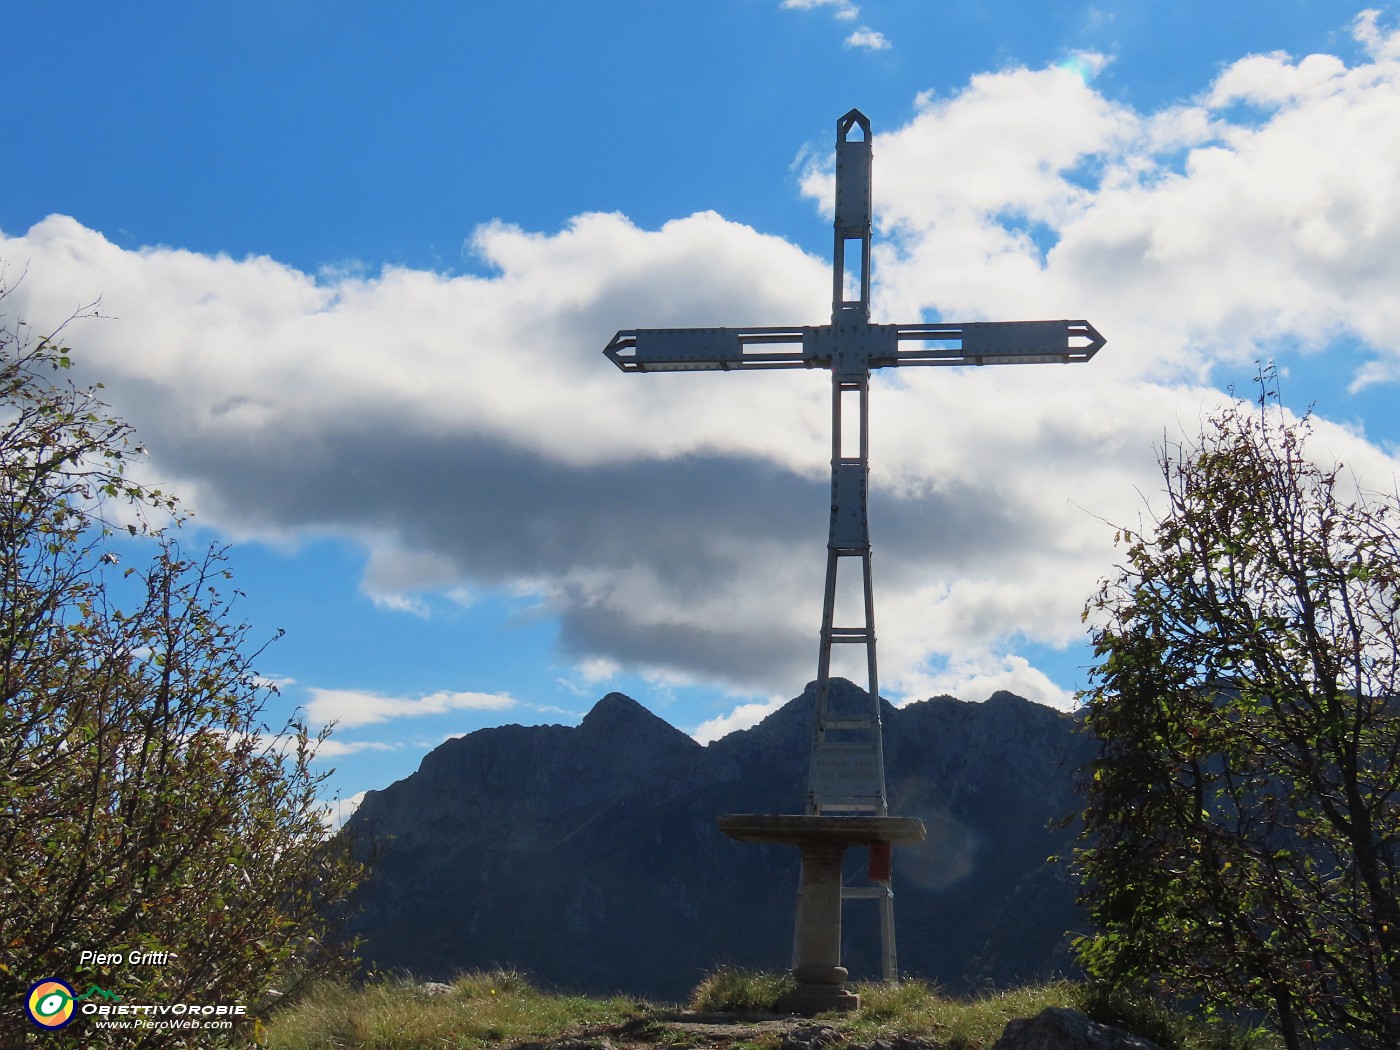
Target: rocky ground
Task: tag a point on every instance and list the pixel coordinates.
(717, 1032)
(1054, 1029)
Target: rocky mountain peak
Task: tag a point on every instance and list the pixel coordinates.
(590, 855)
(618, 711)
(618, 724)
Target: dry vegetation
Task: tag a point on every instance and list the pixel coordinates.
(726, 1011)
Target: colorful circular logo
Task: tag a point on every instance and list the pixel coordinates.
(50, 1003)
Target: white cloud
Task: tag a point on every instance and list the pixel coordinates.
(863, 37)
(674, 523)
(742, 717)
(1274, 79)
(354, 707)
(1380, 44)
(1189, 236)
(1373, 373)
(868, 39)
(594, 672)
(404, 603)
(336, 748)
(335, 813)
(978, 676)
(393, 574)
(842, 9)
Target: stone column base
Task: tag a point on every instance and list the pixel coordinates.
(811, 999)
(822, 839)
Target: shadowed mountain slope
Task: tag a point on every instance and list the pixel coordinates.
(589, 856)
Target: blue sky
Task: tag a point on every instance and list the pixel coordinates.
(360, 261)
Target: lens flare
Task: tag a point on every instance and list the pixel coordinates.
(1083, 65)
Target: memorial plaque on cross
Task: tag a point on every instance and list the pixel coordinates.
(846, 773)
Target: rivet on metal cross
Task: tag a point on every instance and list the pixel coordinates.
(846, 775)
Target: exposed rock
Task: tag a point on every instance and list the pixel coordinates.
(903, 1042)
(1059, 1028)
(570, 1042)
(809, 1037)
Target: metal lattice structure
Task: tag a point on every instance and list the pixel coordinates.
(846, 775)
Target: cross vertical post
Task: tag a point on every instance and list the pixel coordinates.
(849, 532)
(846, 768)
(846, 802)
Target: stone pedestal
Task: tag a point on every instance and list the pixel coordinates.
(819, 974)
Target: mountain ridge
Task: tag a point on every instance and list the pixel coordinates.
(589, 855)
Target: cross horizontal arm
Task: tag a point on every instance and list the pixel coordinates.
(996, 343)
(854, 347)
(705, 349)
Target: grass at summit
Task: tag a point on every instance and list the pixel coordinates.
(480, 1010)
(503, 1009)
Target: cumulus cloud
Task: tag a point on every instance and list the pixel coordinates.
(1197, 235)
(467, 431)
(867, 39)
(336, 748)
(353, 707)
(842, 9)
(1381, 44)
(863, 38)
(976, 676)
(741, 717)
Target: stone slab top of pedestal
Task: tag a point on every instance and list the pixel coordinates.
(798, 829)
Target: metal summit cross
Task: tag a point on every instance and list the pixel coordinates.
(846, 800)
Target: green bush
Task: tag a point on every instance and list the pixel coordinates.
(146, 805)
(734, 990)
